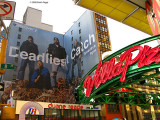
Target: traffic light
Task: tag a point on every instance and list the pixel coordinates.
(3, 48)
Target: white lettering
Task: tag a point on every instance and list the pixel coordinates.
(91, 37)
(50, 59)
(24, 55)
(47, 55)
(78, 51)
(32, 57)
(10, 51)
(81, 46)
(85, 47)
(72, 57)
(56, 61)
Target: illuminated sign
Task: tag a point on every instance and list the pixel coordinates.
(59, 106)
(107, 70)
(32, 111)
(153, 10)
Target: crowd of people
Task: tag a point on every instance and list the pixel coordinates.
(41, 77)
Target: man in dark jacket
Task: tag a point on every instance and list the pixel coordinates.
(30, 47)
(41, 77)
(58, 54)
(76, 58)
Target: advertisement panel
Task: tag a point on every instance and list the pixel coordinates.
(39, 58)
(48, 65)
(81, 46)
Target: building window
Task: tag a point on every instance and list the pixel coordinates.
(20, 29)
(79, 24)
(98, 27)
(97, 19)
(82, 72)
(81, 63)
(104, 22)
(72, 32)
(17, 51)
(80, 39)
(99, 35)
(113, 108)
(19, 36)
(79, 31)
(15, 68)
(72, 38)
(72, 45)
(16, 59)
(105, 29)
(14, 77)
(18, 43)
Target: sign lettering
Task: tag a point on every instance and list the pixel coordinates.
(109, 69)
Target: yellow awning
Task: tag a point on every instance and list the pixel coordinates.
(129, 12)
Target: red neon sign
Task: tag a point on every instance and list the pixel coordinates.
(59, 106)
(153, 15)
(109, 69)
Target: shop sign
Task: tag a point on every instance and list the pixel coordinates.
(32, 111)
(107, 70)
(60, 106)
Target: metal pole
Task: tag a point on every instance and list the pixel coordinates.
(2, 24)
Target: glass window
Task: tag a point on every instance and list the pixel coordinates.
(79, 24)
(97, 26)
(105, 29)
(79, 31)
(102, 21)
(16, 59)
(20, 29)
(113, 108)
(97, 19)
(99, 35)
(19, 36)
(72, 32)
(102, 28)
(82, 72)
(70, 114)
(17, 51)
(31, 117)
(72, 38)
(54, 114)
(18, 43)
(14, 77)
(15, 68)
(81, 63)
(80, 39)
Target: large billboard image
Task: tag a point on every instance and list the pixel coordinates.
(48, 65)
(80, 42)
(40, 62)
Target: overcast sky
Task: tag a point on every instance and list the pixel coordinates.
(62, 14)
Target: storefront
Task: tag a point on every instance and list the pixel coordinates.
(27, 110)
(70, 114)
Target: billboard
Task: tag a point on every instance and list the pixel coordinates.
(80, 42)
(39, 58)
(49, 66)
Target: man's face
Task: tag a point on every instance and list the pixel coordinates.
(30, 39)
(39, 64)
(75, 42)
(56, 41)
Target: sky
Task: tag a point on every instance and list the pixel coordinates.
(63, 13)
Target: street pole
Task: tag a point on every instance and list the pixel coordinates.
(3, 25)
